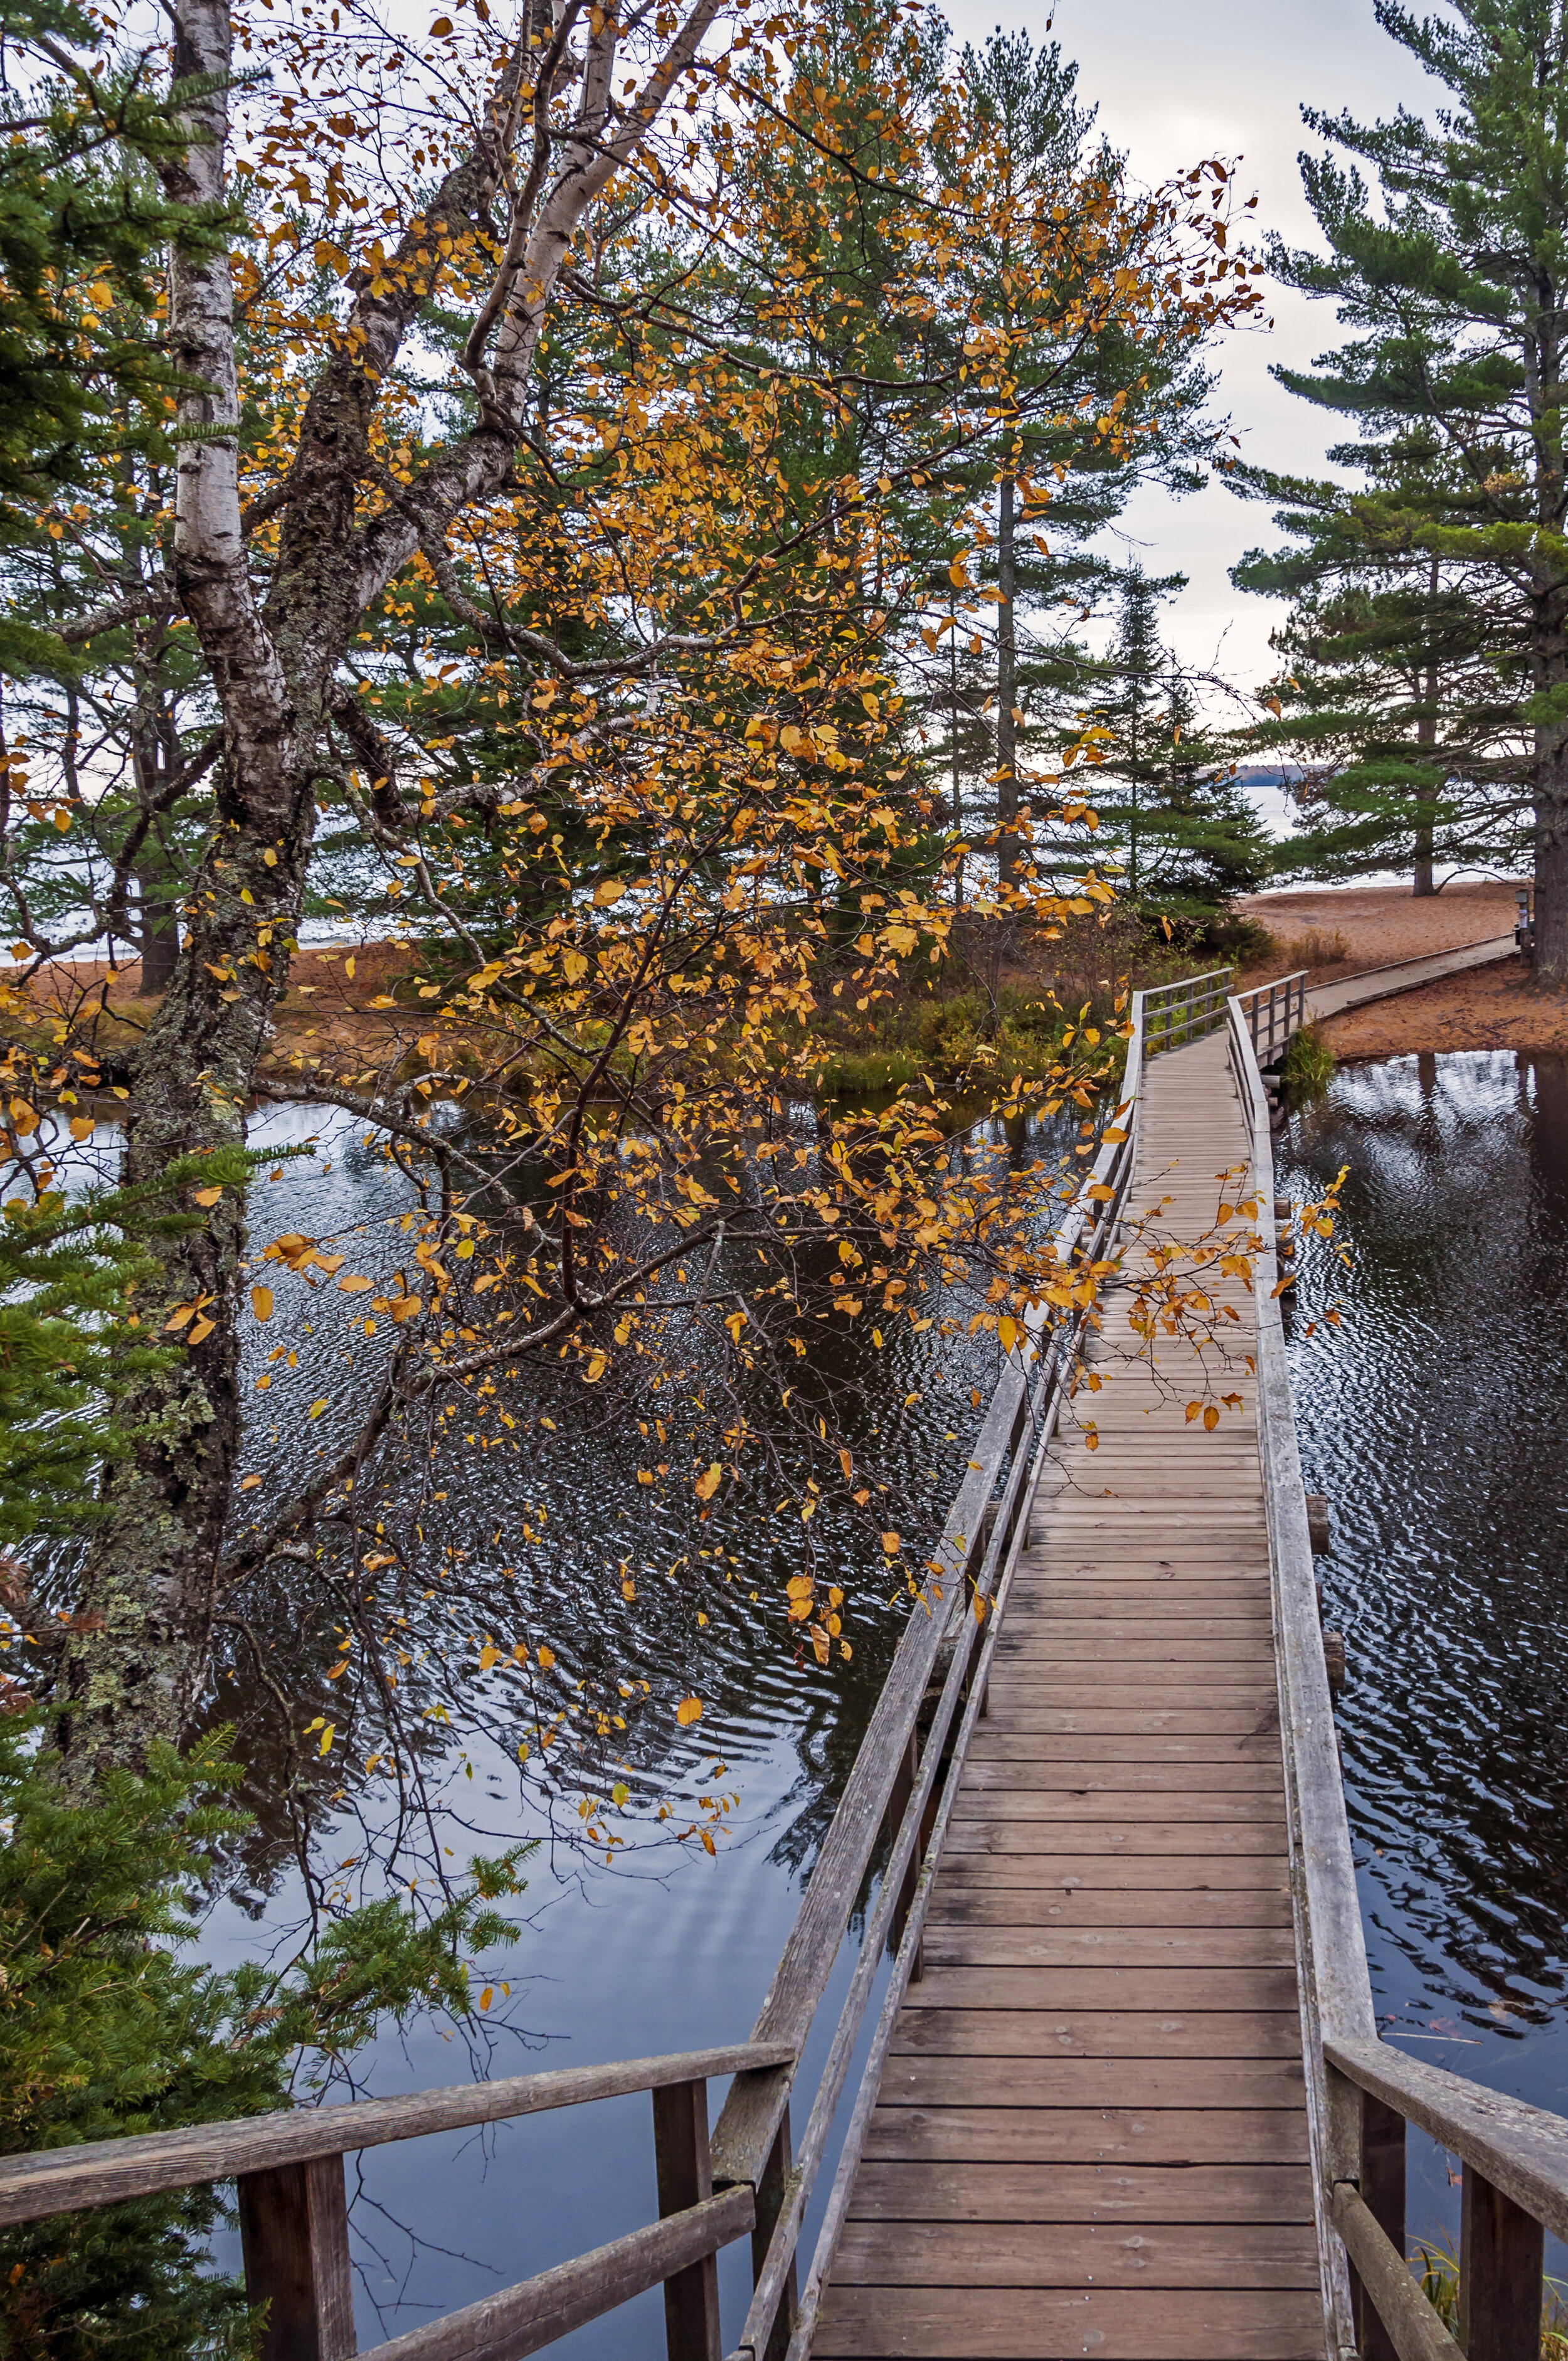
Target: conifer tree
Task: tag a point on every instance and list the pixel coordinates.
(1171, 810)
(1453, 537)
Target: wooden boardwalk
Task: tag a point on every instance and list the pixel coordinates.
(1091, 2135)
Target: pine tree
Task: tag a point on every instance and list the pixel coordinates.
(1038, 553)
(1171, 811)
(1443, 693)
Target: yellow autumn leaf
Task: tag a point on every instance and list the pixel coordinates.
(486, 1996)
(317, 1407)
(620, 1792)
(596, 1369)
(1210, 1418)
(546, 1658)
(688, 1710)
(249, 1483)
(607, 890)
(707, 1486)
(82, 1126)
(352, 1286)
(328, 1734)
(261, 1303)
(890, 1543)
(489, 1656)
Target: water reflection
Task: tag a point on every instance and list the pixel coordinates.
(538, 1535)
(1436, 1421)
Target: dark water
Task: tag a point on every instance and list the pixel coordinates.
(1436, 1421)
(521, 1523)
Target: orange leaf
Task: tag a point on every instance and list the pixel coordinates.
(261, 1303)
(689, 1710)
(354, 1286)
(208, 1196)
(707, 1486)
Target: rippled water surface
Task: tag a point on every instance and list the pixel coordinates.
(522, 1525)
(1436, 1421)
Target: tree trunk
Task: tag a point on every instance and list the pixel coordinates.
(150, 1583)
(159, 930)
(1006, 692)
(1552, 865)
(1426, 735)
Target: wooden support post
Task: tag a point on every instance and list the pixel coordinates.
(293, 2227)
(771, 2192)
(1383, 2194)
(685, 2177)
(1501, 2257)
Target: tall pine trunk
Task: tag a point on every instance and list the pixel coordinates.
(1006, 689)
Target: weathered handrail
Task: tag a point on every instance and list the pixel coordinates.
(1361, 2091)
(1274, 1011)
(289, 2166)
(1176, 1012)
(752, 2140)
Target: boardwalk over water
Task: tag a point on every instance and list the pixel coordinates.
(1091, 2135)
(1124, 2093)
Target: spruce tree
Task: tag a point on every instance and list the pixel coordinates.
(1173, 815)
(1453, 538)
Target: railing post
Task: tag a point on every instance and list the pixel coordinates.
(1382, 2193)
(293, 2227)
(1501, 2258)
(685, 2177)
(771, 2192)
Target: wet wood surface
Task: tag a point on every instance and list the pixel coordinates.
(1091, 2135)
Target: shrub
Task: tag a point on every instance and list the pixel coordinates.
(106, 2030)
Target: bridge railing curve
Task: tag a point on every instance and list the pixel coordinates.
(1362, 2092)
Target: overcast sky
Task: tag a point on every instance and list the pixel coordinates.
(1175, 84)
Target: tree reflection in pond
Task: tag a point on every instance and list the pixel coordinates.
(1436, 1422)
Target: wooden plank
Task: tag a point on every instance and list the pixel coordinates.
(1067, 1805)
(940, 2079)
(1007, 1764)
(1092, 2135)
(1168, 1991)
(1042, 1869)
(1079, 2254)
(1000, 1834)
(1121, 1720)
(1155, 1663)
(65, 2181)
(960, 1902)
(1035, 2325)
(950, 1946)
(1075, 2193)
(1003, 1742)
(957, 2022)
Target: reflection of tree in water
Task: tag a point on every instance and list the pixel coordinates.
(1438, 1425)
(492, 1532)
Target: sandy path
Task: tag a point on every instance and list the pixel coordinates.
(1495, 1007)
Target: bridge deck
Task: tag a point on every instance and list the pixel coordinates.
(1091, 2135)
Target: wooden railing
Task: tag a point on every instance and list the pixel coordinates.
(1176, 1012)
(288, 2168)
(1362, 2092)
(1275, 1011)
